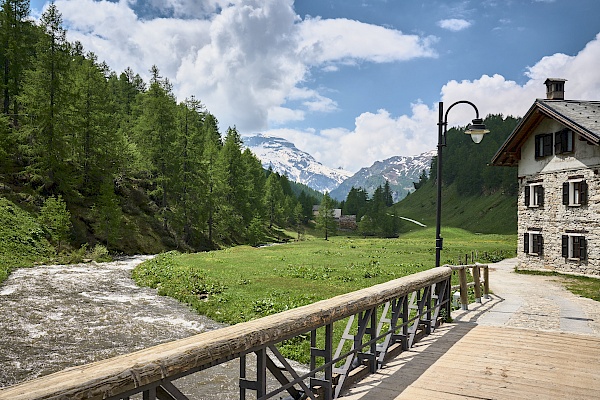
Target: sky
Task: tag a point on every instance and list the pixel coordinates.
(349, 81)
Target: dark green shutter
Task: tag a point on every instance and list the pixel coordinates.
(582, 248)
(583, 193)
(547, 145)
(540, 193)
(566, 193)
(527, 195)
(558, 143)
(565, 246)
(526, 243)
(539, 244)
(538, 146)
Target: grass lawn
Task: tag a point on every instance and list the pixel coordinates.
(243, 283)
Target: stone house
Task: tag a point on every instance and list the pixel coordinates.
(556, 148)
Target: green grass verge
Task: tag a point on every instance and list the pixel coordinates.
(243, 283)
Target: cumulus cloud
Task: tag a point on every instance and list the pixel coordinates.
(338, 40)
(453, 24)
(250, 62)
(378, 136)
(245, 59)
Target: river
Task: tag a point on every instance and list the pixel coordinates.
(58, 316)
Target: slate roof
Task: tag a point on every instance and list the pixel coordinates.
(582, 117)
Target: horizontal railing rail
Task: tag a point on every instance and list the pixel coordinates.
(381, 319)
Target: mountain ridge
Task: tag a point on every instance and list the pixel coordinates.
(299, 166)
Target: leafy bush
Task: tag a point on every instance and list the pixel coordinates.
(22, 239)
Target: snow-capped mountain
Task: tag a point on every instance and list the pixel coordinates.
(297, 165)
(400, 171)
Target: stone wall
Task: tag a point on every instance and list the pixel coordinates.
(554, 220)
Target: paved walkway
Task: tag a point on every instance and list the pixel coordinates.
(532, 302)
(525, 312)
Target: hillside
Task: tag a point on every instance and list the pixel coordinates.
(494, 213)
(475, 196)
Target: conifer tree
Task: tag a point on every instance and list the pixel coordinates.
(325, 219)
(273, 199)
(56, 219)
(16, 34)
(46, 95)
(155, 134)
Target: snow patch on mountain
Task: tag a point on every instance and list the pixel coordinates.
(399, 171)
(286, 159)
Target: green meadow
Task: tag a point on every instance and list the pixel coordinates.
(243, 283)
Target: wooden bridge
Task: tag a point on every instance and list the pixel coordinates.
(390, 331)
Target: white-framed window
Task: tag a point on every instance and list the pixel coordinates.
(563, 141)
(533, 243)
(574, 246)
(575, 193)
(543, 145)
(534, 195)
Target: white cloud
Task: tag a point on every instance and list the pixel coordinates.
(377, 136)
(453, 24)
(343, 40)
(244, 59)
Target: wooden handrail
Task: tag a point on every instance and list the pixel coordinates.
(117, 375)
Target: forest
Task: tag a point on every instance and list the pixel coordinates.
(105, 157)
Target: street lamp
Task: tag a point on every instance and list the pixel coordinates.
(476, 130)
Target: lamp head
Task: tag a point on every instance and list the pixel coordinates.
(477, 129)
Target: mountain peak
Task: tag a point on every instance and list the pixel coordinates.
(299, 166)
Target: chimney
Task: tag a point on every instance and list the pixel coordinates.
(555, 88)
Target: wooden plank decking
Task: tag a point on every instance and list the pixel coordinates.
(469, 361)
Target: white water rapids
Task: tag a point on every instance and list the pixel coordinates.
(58, 316)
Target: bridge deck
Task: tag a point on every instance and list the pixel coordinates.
(487, 362)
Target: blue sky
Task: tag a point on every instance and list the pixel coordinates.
(349, 81)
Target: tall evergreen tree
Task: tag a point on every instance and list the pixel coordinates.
(273, 199)
(46, 95)
(210, 157)
(16, 33)
(94, 127)
(325, 219)
(191, 179)
(155, 134)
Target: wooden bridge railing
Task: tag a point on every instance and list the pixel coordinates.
(381, 319)
(478, 282)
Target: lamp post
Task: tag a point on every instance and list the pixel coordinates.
(476, 130)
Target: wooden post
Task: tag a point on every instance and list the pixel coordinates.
(464, 297)
(486, 282)
(477, 279)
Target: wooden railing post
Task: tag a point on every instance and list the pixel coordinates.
(486, 282)
(464, 298)
(477, 281)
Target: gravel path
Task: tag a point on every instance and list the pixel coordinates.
(533, 302)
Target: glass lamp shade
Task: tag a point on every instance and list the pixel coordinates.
(477, 130)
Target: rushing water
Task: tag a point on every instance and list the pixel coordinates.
(58, 316)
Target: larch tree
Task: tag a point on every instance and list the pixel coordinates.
(325, 219)
(46, 95)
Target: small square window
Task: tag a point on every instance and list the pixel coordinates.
(575, 193)
(574, 247)
(533, 243)
(543, 145)
(534, 195)
(563, 141)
